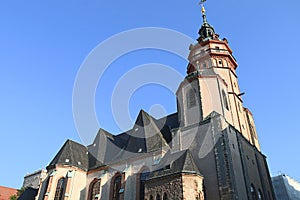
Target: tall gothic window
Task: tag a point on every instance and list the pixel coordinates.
(253, 191)
(191, 98)
(151, 197)
(143, 177)
(95, 190)
(60, 189)
(165, 196)
(116, 187)
(225, 100)
(157, 197)
(259, 195)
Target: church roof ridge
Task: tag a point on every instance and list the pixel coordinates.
(71, 153)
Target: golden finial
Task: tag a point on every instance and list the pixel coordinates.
(202, 5)
(203, 9)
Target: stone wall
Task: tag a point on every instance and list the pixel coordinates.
(171, 185)
(178, 186)
(192, 187)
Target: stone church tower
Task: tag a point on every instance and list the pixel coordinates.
(212, 85)
(208, 149)
(211, 112)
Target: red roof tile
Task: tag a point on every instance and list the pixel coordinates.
(6, 192)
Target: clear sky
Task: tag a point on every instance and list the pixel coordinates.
(43, 44)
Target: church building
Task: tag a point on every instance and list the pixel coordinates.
(207, 150)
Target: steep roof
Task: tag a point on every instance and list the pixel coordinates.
(180, 162)
(145, 136)
(73, 154)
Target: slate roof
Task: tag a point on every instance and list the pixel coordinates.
(73, 154)
(147, 135)
(179, 162)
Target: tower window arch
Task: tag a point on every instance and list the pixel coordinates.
(225, 101)
(220, 63)
(95, 189)
(191, 98)
(116, 187)
(151, 197)
(60, 189)
(226, 63)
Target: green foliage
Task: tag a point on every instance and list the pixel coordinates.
(16, 196)
(20, 191)
(13, 197)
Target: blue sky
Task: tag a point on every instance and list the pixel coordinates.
(43, 44)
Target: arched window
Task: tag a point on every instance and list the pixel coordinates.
(226, 62)
(151, 197)
(95, 189)
(220, 63)
(225, 100)
(165, 196)
(117, 183)
(191, 98)
(60, 189)
(253, 191)
(143, 177)
(259, 195)
(158, 197)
